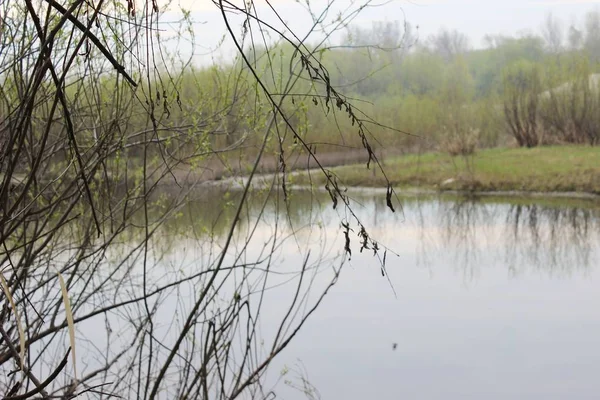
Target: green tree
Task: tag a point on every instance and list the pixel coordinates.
(459, 130)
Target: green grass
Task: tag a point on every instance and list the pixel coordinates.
(542, 169)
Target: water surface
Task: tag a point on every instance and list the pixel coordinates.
(489, 299)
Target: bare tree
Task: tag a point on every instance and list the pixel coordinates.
(575, 38)
(101, 150)
(449, 44)
(592, 34)
(553, 34)
(522, 83)
(383, 35)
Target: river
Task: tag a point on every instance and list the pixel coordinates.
(489, 298)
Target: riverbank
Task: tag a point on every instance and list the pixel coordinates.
(544, 169)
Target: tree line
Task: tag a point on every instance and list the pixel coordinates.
(442, 93)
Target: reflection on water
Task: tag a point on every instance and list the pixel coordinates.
(551, 236)
(490, 298)
(516, 236)
(559, 238)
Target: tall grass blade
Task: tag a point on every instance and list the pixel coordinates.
(71, 325)
(19, 326)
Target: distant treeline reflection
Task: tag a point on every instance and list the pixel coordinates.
(550, 235)
(553, 236)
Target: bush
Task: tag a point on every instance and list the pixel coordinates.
(522, 83)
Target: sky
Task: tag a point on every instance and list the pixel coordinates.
(475, 18)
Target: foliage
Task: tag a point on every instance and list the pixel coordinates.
(569, 109)
(402, 74)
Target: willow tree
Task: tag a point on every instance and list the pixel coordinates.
(103, 146)
(522, 88)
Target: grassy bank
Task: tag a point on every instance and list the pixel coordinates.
(542, 169)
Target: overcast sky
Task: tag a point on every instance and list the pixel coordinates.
(472, 17)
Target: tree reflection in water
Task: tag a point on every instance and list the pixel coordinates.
(556, 239)
(551, 237)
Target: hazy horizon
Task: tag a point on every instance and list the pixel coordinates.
(473, 18)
